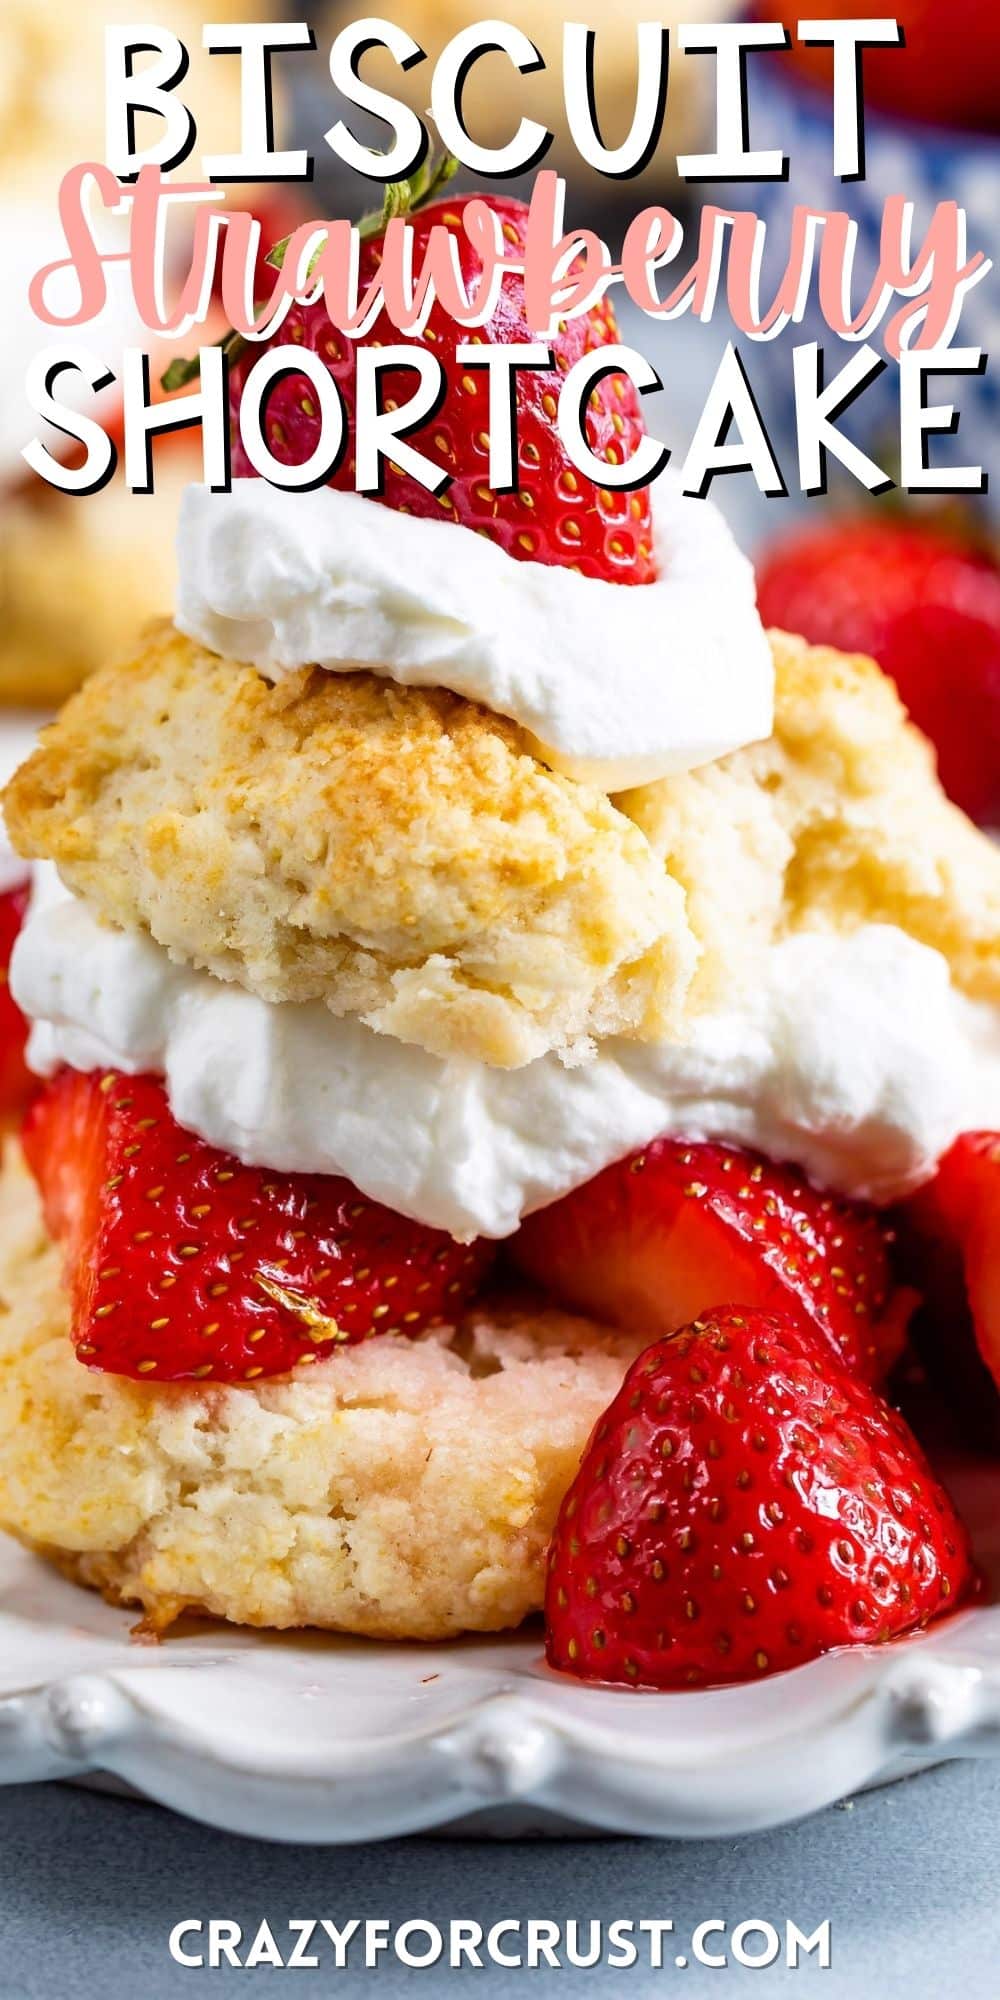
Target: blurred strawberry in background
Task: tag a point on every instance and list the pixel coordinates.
(927, 608)
(946, 73)
(16, 1082)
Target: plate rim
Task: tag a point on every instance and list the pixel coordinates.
(507, 1746)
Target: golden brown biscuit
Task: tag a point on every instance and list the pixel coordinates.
(405, 1489)
(837, 820)
(397, 852)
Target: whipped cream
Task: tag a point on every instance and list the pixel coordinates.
(853, 1056)
(616, 685)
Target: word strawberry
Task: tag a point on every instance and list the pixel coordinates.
(184, 1264)
(928, 610)
(949, 1237)
(744, 1505)
(16, 1083)
(556, 515)
(658, 1239)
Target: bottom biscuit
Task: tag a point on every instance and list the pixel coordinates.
(404, 1489)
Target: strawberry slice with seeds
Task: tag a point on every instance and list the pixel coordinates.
(743, 1505)
(184, 1264)
(657, 1239)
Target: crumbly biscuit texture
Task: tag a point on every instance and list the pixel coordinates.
(837, 820)
(396, 852)
(401, 854)
(401, 1490)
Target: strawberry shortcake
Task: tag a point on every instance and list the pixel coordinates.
(467, 951)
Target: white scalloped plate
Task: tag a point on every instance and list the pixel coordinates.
(306, 1737)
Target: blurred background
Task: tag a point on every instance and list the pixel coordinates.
(915, 582)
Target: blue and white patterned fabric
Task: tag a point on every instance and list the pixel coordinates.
(927, 165)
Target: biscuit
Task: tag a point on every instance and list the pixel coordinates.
(837, 820)
(405, 1489)
(396, 852)
(52, 82)
(79, 579)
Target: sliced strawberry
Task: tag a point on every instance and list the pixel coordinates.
(16, 1081)
(745, 1504)
(184, 1264)
(949, 1243)
(658, 1239)
(556, 516)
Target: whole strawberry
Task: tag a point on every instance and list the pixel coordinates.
(744, 1505)
(557, 516)
(928, 610)
(184, 1264)
(657, 1238)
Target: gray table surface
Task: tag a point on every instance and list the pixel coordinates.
(90, 1887)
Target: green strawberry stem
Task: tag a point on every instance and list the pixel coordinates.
(401, 198)
(187, 368)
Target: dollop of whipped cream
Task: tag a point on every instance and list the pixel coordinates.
(615, 684)
(853, 1056)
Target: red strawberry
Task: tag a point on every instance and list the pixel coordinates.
(950, 1240)
(184, 1264)
(660, 1238)
(945, 73)
(16, 1082)
(928, 610)
(744, 1505)
(556, 516)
